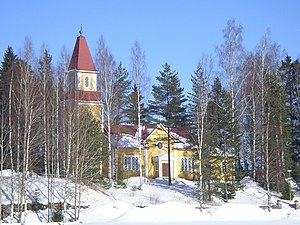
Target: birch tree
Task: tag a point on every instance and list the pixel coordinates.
(60, 90)
(264, 81)
(106, 67)
(139, 71)
(251, 93)
(70, 122)
(230, 57)
(262, 69)
(30, 114)
(46, 83)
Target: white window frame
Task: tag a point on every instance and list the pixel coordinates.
(187, 164)
(132, 162)
(87, 82)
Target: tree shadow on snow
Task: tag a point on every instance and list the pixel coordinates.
(177, 185)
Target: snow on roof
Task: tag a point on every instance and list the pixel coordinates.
(127, 136)
(125, 141)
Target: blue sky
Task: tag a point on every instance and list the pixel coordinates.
(174, 31)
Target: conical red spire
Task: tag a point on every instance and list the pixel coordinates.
(81, 57)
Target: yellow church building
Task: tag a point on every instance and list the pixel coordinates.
(154, 157)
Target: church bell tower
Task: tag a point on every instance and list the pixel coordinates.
(82, 76)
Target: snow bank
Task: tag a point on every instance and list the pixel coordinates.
(159, 203)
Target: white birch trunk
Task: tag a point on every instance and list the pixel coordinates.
(57, 130)
(200, 130)
(267, 156)
(68, 163)
(254, 131)
(102, 132)
(110, 153)
(139, 127)
(10, 146)
(138, 63)
(262, 87)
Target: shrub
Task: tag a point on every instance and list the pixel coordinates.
(57, 216)
(36, 206)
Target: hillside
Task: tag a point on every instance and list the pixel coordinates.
(158, 203)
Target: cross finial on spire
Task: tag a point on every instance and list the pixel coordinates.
(80, 32)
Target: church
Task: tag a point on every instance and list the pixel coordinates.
(153, 160)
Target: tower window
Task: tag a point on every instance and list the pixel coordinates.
(86, 82)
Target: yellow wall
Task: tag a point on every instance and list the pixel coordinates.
(183, 174)
(217, 169)
(94, 108)
(158, 135)
(92, 78)
(123, 152)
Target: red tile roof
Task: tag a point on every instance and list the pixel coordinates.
(146, 130)
(132, 130)
(81, 57)
(181, 132)
(123, 129)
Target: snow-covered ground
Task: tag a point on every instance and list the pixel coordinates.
(159, 203)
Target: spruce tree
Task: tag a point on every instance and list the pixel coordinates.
(219, 137)
(6, 67)
(122, 89)
(219, 116)
(168, 105)
(132, 108)
(199, 101)
(8, 72)
(278, 135)
(290, 73)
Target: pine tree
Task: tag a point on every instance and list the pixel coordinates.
(168, 104)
